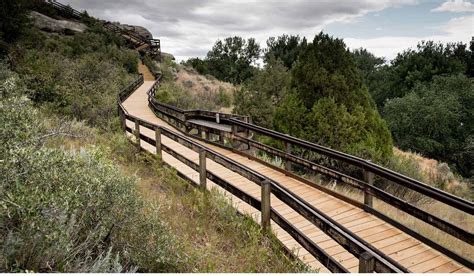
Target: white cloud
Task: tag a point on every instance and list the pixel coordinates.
(455, 6)
(455, 30)
(190, 27)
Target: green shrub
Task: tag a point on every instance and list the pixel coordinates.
(71, 211)
(151, 64)
(173, 94)
(223, 98)
(76, 76)
(436, 119)
(167, 66)
(339, 112)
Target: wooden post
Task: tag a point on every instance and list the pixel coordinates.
(232, 135)
(287, 161)
(137, 133)
(366, 263)
(218, 120)
(247, 133)
(122, 119)
(202, 168)
(265, 201)
(234, 130)
(221, 137)
(158, 140)
(369, 178)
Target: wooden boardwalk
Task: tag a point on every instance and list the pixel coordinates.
(406, 250)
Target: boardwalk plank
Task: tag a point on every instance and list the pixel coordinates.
(408, 251)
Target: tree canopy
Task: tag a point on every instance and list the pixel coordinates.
(229, 60)
(263, 92)
(336, 108)
(419, 65)
(326, 69)
(286, 48)
(436, 119)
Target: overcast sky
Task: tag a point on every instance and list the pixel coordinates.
(189, 28)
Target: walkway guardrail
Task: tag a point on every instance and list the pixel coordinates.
(376, 262)
(241, 127)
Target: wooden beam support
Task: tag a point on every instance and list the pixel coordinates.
(287, 160)
(221, 137)
(265, 199)
(369, 178)
(158, 141)
(202, 169)
(366, 263)
(137, 133)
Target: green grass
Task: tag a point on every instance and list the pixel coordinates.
(214, 236)
(76, 196)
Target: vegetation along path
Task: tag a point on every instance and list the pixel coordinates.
(407, 251)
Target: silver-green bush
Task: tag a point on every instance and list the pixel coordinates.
(70, 211)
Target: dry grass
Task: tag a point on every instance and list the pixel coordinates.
(214, 237)
(438, 174)
(438, 209)
(213, 93)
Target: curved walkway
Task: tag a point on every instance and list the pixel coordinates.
(406, 250)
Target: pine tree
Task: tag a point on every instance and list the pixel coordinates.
(339, 110)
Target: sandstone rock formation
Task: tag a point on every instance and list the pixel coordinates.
(167, 56)
(49, 24)
(139, 29)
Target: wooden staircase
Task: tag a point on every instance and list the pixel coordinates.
(138, 42)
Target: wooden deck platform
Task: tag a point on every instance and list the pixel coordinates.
(221, 127)
(411, 253)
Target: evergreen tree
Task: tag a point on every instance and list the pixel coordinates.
(436, 119)
(231, 60)
(286, 48)
(263, 92)
(339, 112)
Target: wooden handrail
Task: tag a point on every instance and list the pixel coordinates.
(154, 44)
(372, 190)
(350, 242)
(440, 195)
(179, 117)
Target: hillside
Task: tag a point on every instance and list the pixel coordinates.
(75, 192)
(184, 87)
(438, 174)
(105, 136)
(207, 87)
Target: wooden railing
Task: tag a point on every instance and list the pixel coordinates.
(184, 115)
(133, 37)
(240, 133)
(350, 242)
(65, 10)
(371, 259)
